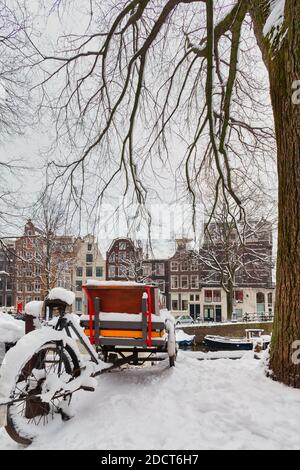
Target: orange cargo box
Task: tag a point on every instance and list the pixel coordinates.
(121, 297)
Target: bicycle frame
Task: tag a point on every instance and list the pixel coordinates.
(65, 323)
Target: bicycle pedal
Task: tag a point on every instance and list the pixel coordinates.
(64, 416)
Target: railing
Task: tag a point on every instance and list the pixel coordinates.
(257, 317)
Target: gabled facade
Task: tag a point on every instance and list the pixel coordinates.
(89, 264)
(123, 260)
(42, 264)
(30, 270)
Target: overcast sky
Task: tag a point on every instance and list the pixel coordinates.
(171, 214)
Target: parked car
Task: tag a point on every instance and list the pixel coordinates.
(184, 319)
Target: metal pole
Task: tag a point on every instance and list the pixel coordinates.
(144, 315)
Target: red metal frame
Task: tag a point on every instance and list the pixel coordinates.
(149, 314)
(90, 310)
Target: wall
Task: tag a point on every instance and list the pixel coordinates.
(232, 330)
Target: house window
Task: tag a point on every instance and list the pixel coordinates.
(192, 297)
(122, 245)
(270, 299)
(239, 313)
(194, 265)
(122, 271)
(185, 304)
(239, 296)
(89, 258)
(78, 286)
(161, 286)
(260, 302)
(28, 287)
(147, 270)
(209, 313)
(174, 282)
(175, 304)
(1, 300)
(112, 258)
(8, 300)
(217, 295)
(197, 297)
(184, 282)
(194, 282)
(122, 257)
(37, 286)
(111, 271)
(160, 269)
(174, 266)
(28, 272)
(37, 297)
(89, 247)
(78, 304)
(184, 266)
(89, 271)
(79, 272)
(207, 296)
(99, 271)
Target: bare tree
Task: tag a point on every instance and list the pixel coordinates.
(179, 66)
(235, 254)
(15, 105)
(54, 251)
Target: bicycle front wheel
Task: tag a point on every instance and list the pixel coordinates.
(27, 413)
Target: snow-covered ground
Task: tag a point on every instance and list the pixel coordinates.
(11, 330)
(220, 404)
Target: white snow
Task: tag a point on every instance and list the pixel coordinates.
(55, 384)
(171, 338)
(275, 19)
(62, 294)
(11, 330)
(182, 336)
(34, 308)
(221, 404)
(166, 315)
(95, 283)
(126, 317)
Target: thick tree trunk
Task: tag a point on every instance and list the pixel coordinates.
(284, 70)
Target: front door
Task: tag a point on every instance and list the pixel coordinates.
(218, 313)
(208, 313)
(194, 310)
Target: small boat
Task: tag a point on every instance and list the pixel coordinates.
(253, 339)
(183, 340)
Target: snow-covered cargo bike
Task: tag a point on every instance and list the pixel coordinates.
(41, 372)
(126, 317)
